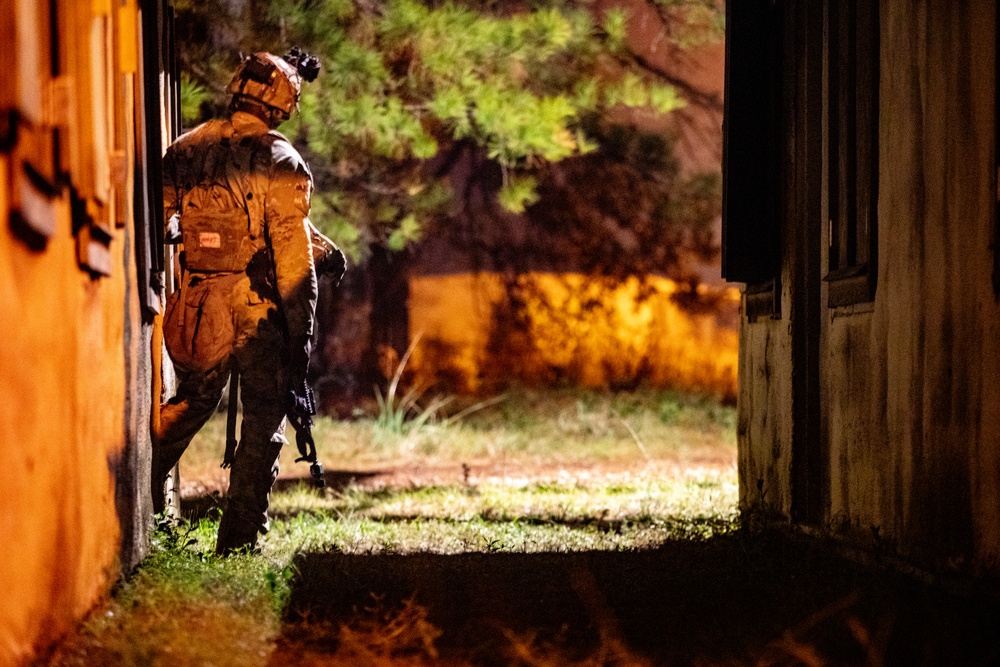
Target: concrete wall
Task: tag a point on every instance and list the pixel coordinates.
(910, 385)
(75, 353)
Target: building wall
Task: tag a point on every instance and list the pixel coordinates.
(569, 328)
(913, 420)
(75, 358)
(910, 385)
(764, 425)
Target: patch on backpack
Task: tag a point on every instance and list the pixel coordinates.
(209, 240)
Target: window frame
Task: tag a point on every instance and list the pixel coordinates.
(29, 109)
(852, 126)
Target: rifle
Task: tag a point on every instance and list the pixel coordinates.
(302, 407)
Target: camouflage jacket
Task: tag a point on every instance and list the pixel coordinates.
(241, 192)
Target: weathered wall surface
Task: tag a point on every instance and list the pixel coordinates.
(910, 385)
(75, 354)
(131, 466)
(62, 396)
(764, 405)
(570, 328)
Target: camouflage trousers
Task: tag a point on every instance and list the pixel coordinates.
(213, 323)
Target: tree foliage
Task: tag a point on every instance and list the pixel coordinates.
(407, 85)
(628, 209)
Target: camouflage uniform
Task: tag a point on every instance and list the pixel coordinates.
(247, 298)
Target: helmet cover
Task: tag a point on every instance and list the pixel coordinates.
(269, 79)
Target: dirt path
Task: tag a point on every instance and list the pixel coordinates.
(410, 473)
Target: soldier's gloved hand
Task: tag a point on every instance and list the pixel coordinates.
(299, 349)
(333, 263)
(172, 231)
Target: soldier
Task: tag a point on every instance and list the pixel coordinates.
(238, 194)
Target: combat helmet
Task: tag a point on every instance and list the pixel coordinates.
(265, 79)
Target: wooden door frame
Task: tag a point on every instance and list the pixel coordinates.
(804, 23)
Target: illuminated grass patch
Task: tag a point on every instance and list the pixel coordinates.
(538, 473)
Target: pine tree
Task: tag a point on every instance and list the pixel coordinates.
(457, 118)
(407, 85)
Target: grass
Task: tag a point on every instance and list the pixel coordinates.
(538, 472)
(184, 606)
(523, 518)
(565, 427)
(182, 593)
(550, 528)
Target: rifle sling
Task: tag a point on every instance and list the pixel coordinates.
(234, 403)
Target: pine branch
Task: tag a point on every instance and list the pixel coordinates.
(693, 94)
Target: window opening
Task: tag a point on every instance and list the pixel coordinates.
(751, 228)
(852, 140)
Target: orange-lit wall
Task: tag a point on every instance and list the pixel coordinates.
(74, 352)
(61, 413)
(575, 331)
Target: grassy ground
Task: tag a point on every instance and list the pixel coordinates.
(523, 432)
(531, 473)
(557, 528)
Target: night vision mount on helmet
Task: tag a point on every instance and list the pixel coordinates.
(272, 81)
(306, 65)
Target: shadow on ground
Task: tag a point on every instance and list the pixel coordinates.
(728, 600)
(212, 504)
